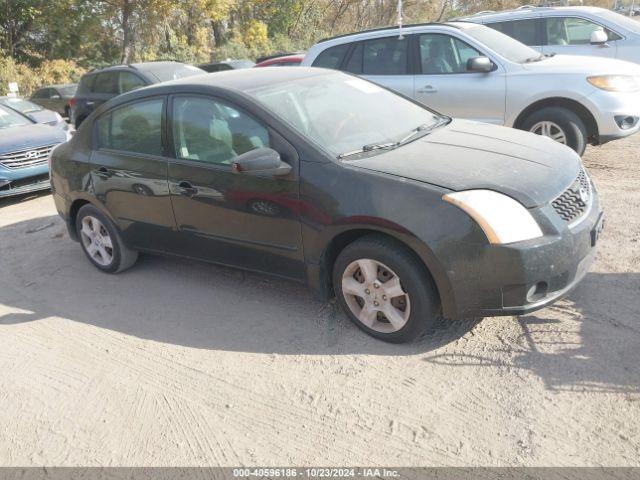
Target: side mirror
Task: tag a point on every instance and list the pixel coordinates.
(261, 162)
(599, 37)
(479, 64)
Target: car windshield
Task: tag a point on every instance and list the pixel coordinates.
(165, 72)
(617, 19)
(345, 114)
(502, 44)
(21, 105)
(10, 118)
(68, 90)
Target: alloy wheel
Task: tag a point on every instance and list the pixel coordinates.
(374, 294)
(551, 130)
(96, 241)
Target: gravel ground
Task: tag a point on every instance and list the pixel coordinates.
(183, 363)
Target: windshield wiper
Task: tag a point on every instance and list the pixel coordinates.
(425, 127)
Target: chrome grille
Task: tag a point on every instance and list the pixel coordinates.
(575, 200)
(26, 158)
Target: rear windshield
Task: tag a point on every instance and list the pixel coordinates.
(10, 118)
(165, 72)
(68, 90)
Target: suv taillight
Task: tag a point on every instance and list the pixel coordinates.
(72, 102)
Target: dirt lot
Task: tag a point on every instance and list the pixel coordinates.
(182, 363)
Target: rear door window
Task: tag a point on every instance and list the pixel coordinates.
(385, 56)
(525, 31)
(331, 57)
(107, 82)
(134, 127)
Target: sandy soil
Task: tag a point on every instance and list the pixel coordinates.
(182, 363)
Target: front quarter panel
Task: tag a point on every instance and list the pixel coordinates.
(339, 198)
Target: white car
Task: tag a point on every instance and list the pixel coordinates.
(569, 30)
(471, 71)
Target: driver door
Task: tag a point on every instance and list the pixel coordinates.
(445, 85)
(226, 217)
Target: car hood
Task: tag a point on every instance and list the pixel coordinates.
(28, 136)
(563, 64)
(466, 155)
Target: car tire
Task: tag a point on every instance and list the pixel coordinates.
(560, 124)
(412, 312)
(101, 241)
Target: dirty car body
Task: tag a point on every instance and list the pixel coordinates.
(416, 190)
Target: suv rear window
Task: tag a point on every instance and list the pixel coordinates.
(385, 56)
(107, 82)
(331, 57)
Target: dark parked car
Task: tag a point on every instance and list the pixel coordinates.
(25, 147)
(35, 112)
(403, 213)
(292, 60)
(56, 98)
(98, 86)
(226, 65)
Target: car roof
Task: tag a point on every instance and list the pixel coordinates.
(527, 9)
(140, 66)
(393, 29)
(231, 80)
(293, 58)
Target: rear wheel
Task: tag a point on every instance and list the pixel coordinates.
(559, 124)
(385, 290)
(101, 241)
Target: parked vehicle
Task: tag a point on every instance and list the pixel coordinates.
(569, 30)
(25, 147)
(292, 60)
(226, 65)
(100, 85)
(471, 71)
(400, 211)
(56, 98)
(35, 112)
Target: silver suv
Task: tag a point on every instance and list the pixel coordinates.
(471, 71)
(569, 30)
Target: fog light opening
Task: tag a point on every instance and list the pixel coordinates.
(537, 292)
(626, 122)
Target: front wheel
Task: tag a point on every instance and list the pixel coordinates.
(101, 241)
(385, 290)
(559, 124)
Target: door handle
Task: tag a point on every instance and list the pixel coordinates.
(186, 189)
(89, 103)
(428, 89)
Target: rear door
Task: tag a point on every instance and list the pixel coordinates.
(572, 36)
(247, 221)
(129, 172)
(444, 84)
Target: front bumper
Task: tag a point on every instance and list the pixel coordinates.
(519, 278)
(23, 180)
(609, 108)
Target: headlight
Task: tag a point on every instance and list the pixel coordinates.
(616, 83)
(503, 219)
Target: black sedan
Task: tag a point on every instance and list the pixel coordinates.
(328, 179)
